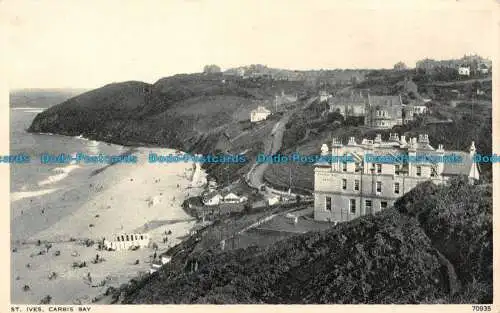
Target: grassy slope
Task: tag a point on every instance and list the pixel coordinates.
(434, 246)
(188, 112)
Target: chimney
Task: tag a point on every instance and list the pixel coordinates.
(352, 141)
(336, 142)
(440, 148)
(394, 137)
(378, 138)
(403, 140)
(324, 149)
(472, 149)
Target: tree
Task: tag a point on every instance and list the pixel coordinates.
(211, 69)
(400, 66)
(46, 300)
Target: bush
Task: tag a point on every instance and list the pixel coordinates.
(46, 300)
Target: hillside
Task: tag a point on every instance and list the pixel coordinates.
(434, 246)
(188, 111)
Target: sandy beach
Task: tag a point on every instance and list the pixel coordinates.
(123, 198)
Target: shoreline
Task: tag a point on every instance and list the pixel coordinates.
(135, 198)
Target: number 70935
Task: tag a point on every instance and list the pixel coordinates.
(481, 308)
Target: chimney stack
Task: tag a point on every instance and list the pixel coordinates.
(472, 149)
(378, 138)
(403, 140)
(440, 148)
(352, 141)
(324, 149)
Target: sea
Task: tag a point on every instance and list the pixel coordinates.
(31, 182)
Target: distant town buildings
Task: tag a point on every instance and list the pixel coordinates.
(476, 64)
(259, 114)
(346, 190)
(464, 70)
(484, 69)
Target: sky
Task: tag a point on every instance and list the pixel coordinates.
(87, 44)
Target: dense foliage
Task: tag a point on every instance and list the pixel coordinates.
(433, 247)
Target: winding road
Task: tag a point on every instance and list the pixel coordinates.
(272, 144)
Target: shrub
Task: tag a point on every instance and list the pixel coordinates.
(46, 300)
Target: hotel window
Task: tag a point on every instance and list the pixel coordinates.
(383, 205)
(352, 205)
(328, 204)
(379, 168)
(368, 206)
(419, 170)
(118, 238)
(344, 184)
(356, 184)
(379, 186)
(433, 172)
(396, 188)
(357, 167)
(344, 166)
(397, 168)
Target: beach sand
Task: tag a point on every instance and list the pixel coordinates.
(124, 198)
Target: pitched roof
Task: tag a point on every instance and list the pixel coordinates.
(343, 99)
(385, 100)
(459, 168)
(261, 109)
(210, 195)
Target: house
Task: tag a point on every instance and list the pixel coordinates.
(384, 111)
(381, 172)
(324, 96)
(155, 265)
(127, 241)
(273, 200)
(483, 69)
(212, 198)
(411, 111)
(259, 114)
(464, 70)
(353, 105)
(216, 198)
(231, 198)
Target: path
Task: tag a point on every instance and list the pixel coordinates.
(272, 144)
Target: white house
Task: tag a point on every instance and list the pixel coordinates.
(259, 114)
(464, 70)
(273, 200)
(215, 198)
(127, 241)
(231, 198)
(324, 96)
(483, 68)
(212, 198)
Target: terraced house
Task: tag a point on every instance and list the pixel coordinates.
(346, 190)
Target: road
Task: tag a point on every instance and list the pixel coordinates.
(272, 144)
